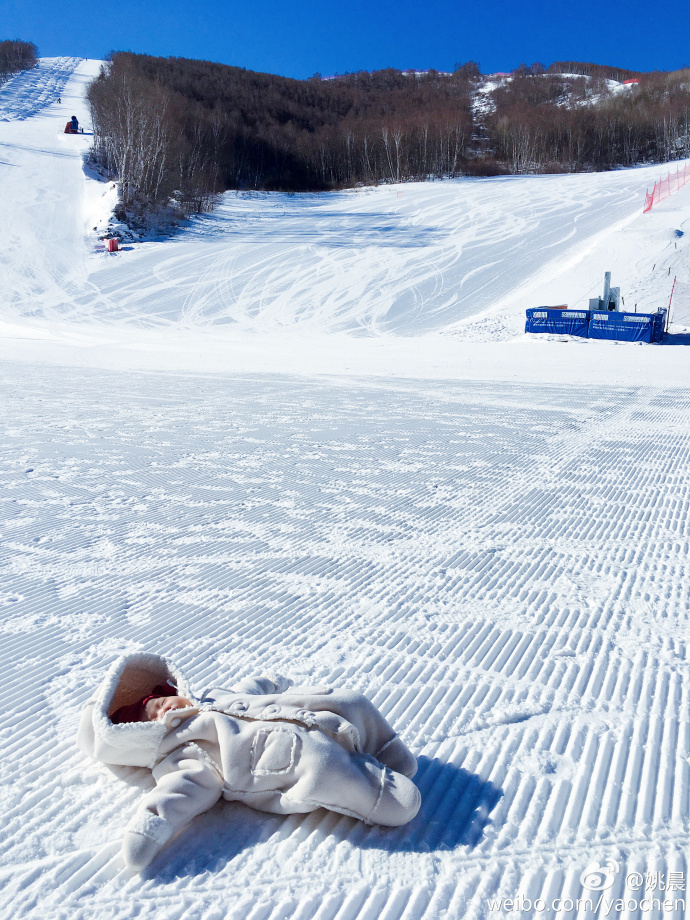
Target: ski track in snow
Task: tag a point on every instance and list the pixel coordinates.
(503, 568)
(26, 93)
(359, 262)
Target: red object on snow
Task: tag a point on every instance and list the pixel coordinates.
(68, 128)
(112, 245)
(630, 82)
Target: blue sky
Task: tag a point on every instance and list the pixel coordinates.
(297, 38)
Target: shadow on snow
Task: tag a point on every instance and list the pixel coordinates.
(677, 338)
(456, 809)
(337, 230)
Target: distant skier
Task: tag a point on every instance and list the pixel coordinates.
(72, 126)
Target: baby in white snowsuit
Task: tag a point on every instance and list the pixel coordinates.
(275, 747)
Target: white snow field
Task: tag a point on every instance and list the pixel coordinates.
(308, 435)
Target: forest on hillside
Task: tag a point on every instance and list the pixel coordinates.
(16, 55)
(177, 130)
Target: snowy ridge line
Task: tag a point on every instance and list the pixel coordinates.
(513, 658)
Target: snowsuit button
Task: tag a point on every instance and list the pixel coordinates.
(271, 710)
(175, 722)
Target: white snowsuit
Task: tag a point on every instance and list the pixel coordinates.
(277, 748)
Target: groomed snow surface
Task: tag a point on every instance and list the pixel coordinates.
(308, 435)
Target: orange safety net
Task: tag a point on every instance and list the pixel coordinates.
(666, 187)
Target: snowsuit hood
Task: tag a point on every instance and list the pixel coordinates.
(130, 744)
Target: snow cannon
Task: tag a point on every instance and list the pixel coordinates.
(610, 301)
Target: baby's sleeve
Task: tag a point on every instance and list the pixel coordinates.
(187, 784)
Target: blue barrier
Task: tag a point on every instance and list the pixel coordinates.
(560, 322)
(659, 324)
(616, 326)
(627, 327)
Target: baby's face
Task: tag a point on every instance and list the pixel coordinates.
(156, 708)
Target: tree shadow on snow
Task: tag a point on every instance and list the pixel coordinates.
(42, 150)
(329, 229)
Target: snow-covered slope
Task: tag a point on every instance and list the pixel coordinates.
(43, 255)
(387, 504)
(29, 92)
(350, 272)
(365, 262)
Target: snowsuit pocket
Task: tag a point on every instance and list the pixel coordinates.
(273, 751)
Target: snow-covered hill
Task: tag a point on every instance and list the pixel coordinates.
(308, 435)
